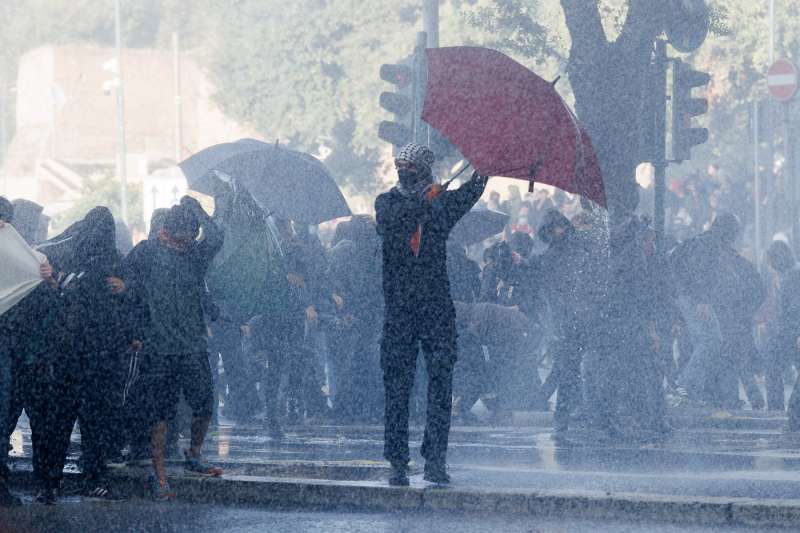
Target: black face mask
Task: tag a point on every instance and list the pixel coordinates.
(407, 177)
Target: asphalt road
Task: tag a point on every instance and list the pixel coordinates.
(82, 517)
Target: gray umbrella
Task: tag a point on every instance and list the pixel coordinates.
(478, 225)
(286, 183)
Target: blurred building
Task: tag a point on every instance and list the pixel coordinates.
(66, 122)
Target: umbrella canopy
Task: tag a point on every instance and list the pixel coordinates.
(507, 121)
(286, 183)
(478, 225)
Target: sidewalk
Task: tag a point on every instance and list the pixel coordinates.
(716, 469)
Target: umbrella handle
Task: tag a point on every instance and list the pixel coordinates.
(457, 174)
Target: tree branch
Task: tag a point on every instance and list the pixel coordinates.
(585, 28)
(645, 22)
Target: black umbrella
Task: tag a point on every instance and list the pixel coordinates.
(478, 225)
(289, 184)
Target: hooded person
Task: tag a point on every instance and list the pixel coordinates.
(6, 210)
(355, 273)
(24, 331)
(6, 336)
(28, 218)
(572, 281)
(719, 292)
(77, 370)
(414, 220)
(104, 320)
(169, 275)
(783, 331)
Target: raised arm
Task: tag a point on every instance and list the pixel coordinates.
(450, 206)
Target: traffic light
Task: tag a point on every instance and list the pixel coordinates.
(684, 108)
(400, 103)
(409, 76)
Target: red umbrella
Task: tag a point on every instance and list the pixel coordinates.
(507, 121)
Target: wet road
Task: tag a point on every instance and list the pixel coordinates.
(142, 516)
(744, 462)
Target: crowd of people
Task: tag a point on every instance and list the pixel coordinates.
(256, 316)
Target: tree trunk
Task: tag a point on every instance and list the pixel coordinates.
(608, 82)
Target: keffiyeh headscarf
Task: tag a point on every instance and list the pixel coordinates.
(420, 156)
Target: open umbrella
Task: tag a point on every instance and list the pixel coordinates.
(286, 183)
(478, 225)
(507, 121)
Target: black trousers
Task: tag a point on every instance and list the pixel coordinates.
(567, 353)
(399, 349)
(241, 374)
(100, 411)
(779, 355)
(50, 396)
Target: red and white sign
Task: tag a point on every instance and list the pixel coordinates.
(782, 80)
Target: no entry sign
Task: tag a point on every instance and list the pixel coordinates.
(782, 80)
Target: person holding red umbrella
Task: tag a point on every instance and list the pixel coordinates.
(414, 220)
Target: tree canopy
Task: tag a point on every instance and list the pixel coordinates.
(306, 72)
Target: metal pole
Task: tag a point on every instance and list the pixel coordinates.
(771, 31)
(3, 137)
(756, 185)
(122, 171)
(176, 51)
(420, 128)
(660, 156)
(789, 175)
(430, 18)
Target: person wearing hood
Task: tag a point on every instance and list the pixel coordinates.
(719, 292)
(573, 283)
(48, 358)
(24, 336)
(414, 219)
(29, 221)
(631, 375)
(169, 275)
(8, 331)
(102, 320)
(783, 344)
(355, 273)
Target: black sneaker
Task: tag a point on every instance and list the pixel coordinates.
(436, 473)
(6, 498)
(46, 496)
(399, 476)
(101, 492)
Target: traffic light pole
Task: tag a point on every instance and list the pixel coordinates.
(790, 174)
(420, 128)
(430, 19)
(660, 159)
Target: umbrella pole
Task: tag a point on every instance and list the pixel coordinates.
(457, 174)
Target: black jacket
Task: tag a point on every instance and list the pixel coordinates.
(172, 286)
(789, 304)
(416, 288)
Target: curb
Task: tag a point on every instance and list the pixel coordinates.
(589, 505)
(317, 494)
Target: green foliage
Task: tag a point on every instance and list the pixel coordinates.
(516, 27)
(102, 189)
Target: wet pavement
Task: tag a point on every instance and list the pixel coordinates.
(740, 461)
(142, 516)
